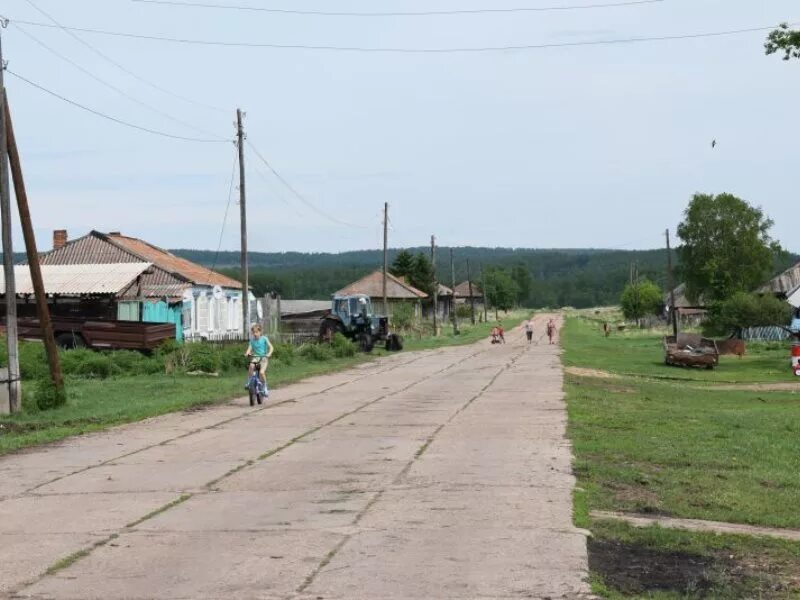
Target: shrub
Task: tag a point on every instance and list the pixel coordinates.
(32, 361)
(319, 352)
(98, 366)
(72, 360)
(464, 311)
(203, 358)
(130, 362)
(342, 347)
(47, 397)
(285, 353)
(743, 310)
(402, 315)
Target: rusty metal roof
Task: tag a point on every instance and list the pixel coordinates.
(108, 278)
(97, 247)
(462, 290)
(372, 285)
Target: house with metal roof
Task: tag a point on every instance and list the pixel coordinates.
(114, 276)
(397, 292)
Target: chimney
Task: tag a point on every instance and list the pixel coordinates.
(59, 238)
(114, 233)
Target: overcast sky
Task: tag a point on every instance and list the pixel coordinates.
(588, 146)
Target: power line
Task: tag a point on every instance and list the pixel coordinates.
(427, 13)
(227, 209)
(121, 67)
(480, 49)
(297, 194)
(112, 86)
(109, 117)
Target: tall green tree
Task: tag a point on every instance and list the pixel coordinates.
(501, 289)
(641, 299)
(522, 277)
(403, 264)
(421, 276)
(784, 40)
(726, 247)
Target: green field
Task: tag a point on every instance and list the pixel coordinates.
(669, 441)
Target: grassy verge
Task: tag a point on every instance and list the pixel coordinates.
(663, 440)
(468, 333)
(94, 404)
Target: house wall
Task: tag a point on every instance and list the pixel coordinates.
(209, 316)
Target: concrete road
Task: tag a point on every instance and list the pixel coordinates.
(441, 474)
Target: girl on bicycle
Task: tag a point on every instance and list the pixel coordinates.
(259, 350)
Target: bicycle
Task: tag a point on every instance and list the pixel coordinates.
(256, 388)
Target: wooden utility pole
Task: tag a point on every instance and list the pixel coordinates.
(8, 256)
(471, 296)
(435, 287)
(453, 314)
(385, 256)
(243, 218)
(672, 312)
(485, 296)
(43, 312)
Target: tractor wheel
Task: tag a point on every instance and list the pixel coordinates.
(328, 329)
(365, 342)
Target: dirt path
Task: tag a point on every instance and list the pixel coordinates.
(426, 475)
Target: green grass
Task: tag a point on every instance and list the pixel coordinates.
(663, 440)
(640, 352)
(663, 564)
(96, 404)
(468, 333)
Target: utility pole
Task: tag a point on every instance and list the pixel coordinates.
(435, 287)
(385, 255)
(485, 295)
(453, 314)
(671, 285)
(8, 251)
(33, 255)
(243, 218)
(471, 295)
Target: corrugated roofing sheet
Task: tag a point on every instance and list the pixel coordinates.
(108, 278)
(372, 285)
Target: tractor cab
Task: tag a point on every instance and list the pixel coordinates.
(352, 316)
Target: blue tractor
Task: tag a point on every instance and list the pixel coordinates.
(352, 316)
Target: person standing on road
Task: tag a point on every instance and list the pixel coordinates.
(551, 330)
(529, 330)
(501, 332)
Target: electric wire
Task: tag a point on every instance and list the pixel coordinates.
(426, 13)
(112, 87)
(464, 50)
(227, 210)
(121, 67)
(298, 195)
(110, 117)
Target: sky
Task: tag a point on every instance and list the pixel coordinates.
(563, 147)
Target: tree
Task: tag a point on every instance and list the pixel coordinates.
(784, 40)
(501, 289)
(743, 310)
(522, 277)
(421, 276)
(726, 247)
(641, 299)
(403, 264)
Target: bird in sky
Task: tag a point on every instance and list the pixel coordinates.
(713, 144)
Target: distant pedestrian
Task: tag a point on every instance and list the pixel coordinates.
(551, 330)
(529, 330)
(501, 332)
(606, 329)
